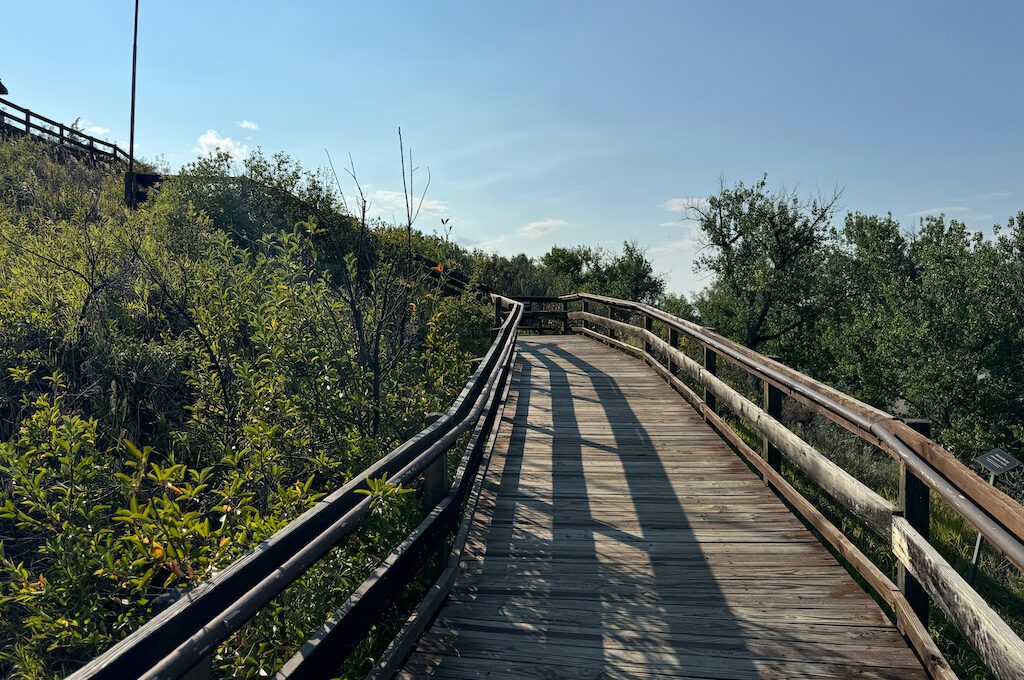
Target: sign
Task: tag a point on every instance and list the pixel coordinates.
(997, 461)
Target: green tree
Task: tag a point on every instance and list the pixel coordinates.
(771, 255)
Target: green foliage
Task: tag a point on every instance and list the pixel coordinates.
(771, 264)
(628, 275)
(925, 324)
(177, 383)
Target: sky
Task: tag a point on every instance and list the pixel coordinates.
(566, 123)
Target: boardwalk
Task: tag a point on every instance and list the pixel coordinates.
(619, 537)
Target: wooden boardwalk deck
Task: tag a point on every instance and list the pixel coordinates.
(617, 537)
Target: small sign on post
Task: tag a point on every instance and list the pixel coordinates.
(997, 462)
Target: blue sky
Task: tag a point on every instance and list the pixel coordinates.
(563, 122)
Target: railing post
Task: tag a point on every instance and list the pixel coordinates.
(773, 405)
(586, 310)
(611, 315)
(648, 326)
(565, 319)
(433, 491)
(498, 308)
(914, 502)
(673, 339)
(711, 366)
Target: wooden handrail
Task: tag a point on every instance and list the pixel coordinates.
(995, 515)
(34, 124)
(178, 639)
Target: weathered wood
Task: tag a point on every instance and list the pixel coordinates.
(673, 340)
(617, 536)
(978, 503)
(914, 502)
(996, 643)
(773, 407)
(853, 494)
(391, 659)
(907, 620)
(432, 491)
(711, 366)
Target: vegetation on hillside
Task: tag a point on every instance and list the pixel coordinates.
(179, 382)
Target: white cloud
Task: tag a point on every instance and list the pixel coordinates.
(961, 213)
(386, 203)
(689, 242)
(210, 141)
(95, 130)
(675, 259)
(685, 206)
(539, 228)
(940, 211)
(531, 231)
(248, 125)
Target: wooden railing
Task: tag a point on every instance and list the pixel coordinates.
(19, 120)
(924, 468)
(181, 640)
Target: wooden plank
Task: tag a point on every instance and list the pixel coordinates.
(603, 547)
(908, 621)
(996, 643)
(841, 485)
(967, 493)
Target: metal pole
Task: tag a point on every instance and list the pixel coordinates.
(131, 134)
(977, 542)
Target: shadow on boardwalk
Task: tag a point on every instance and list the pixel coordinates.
(619, 537)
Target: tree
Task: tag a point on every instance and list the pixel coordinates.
(770, 254)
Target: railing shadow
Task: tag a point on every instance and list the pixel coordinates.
(596, 562)
(666, 599)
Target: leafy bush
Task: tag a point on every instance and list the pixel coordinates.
(174, 389)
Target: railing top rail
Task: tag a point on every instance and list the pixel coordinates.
(80, 138)
(997, 516)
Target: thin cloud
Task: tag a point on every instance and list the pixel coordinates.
(385, 202)
(685, 205)
(940, 211)
(961, 213)
(540, 228)
(690, 242)
(688, 209)
(211, 141)
(248, 125)
(531, 231)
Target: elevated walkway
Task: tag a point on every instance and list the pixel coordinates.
(618, 536)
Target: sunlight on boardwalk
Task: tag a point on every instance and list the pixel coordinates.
(618, 536)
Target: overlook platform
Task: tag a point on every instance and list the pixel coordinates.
(618, 536)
